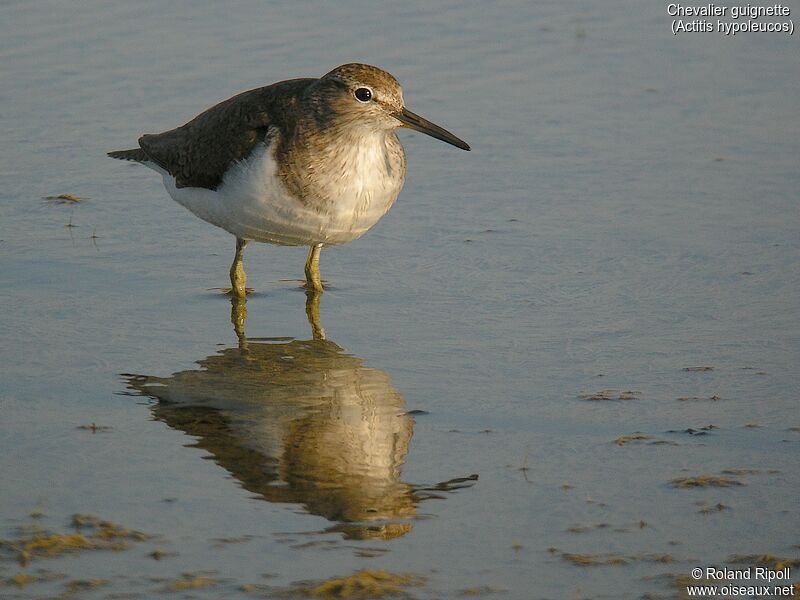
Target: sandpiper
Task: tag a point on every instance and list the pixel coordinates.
(303, 162)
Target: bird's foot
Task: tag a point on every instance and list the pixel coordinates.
(229, 291)
(303, 284)
(314, 286)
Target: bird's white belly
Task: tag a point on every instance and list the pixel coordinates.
(253, 203)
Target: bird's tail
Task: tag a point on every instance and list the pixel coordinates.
(137, 154)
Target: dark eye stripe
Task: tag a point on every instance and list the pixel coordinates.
(363, 94)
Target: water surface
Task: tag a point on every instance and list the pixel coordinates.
(629, 210)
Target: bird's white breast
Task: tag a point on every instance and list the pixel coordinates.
(357, 187)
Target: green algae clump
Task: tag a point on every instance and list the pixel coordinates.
(91, 533)
(366, 584)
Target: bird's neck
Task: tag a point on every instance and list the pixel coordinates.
(326, 162)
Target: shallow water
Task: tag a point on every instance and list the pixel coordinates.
(629, 210)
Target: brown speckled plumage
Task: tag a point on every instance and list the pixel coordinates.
(199, 153)
(297, 112)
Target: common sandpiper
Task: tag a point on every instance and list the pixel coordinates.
(303, 162)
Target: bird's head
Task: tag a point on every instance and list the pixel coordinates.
(363, 95)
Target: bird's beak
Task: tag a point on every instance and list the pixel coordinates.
(412, 121)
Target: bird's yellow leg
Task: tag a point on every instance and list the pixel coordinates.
(313, 281)
(238, 276)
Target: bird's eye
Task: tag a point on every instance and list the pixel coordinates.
(363, 94)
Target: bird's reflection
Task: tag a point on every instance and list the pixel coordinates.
(300, 422)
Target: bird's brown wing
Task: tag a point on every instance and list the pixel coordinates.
(199, 153)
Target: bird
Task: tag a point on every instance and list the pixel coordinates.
(303, 162)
